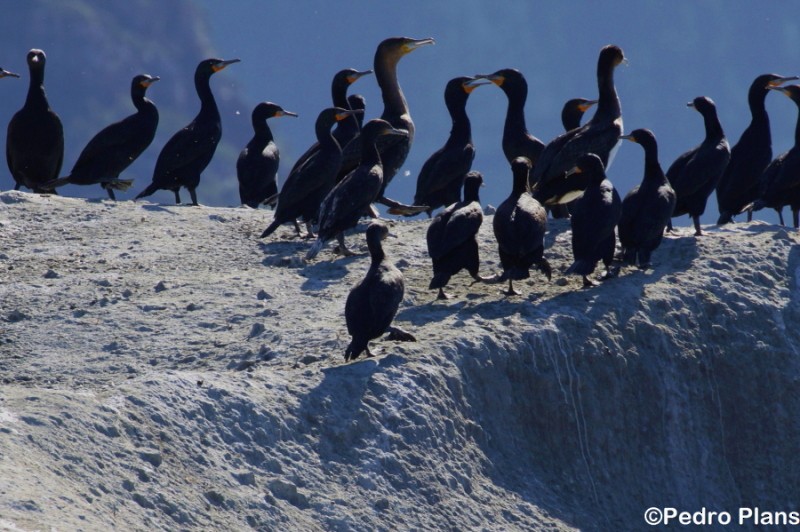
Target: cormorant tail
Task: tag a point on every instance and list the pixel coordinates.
(270, 229)
(315, 248)
(149, 191)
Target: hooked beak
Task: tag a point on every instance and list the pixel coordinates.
(222, 64)
(472, 84)
(352, 78)
(416, 43)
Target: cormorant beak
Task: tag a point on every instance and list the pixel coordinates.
(690, 104)
(780, 81)
(352, 78)
(497, 79)
(575, 170)
(627, 137)
(345, 114)
(413, 44)
(470, 85)
(6, 74)
(222, 64)
(148, 82)
(585, 106)
(286, 113)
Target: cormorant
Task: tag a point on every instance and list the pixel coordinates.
(596, 215)
(393, 152)
(352, 196)
(695, 173)
(739, 184)
(451, 237)
(257, 166)
(35, 138)
(647, 208)
(356, 103)
(600, 135)
(520, 224)
(184, 157)
(573, 111)
(780, 183)
(346, 130)
(308, 184)
(517, 141)
(373, 302)
(441, 177)
(116, 146)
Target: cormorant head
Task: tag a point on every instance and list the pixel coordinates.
(265, 110)
(36, 59)
(144, 80)
(396, 47)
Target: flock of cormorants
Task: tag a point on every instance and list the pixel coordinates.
(338, 179)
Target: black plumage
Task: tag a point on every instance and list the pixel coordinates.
(647, 208)
(353, 195)
(517, 140)
(441, 177)
(184, 157)
(35, 137)
(308, 184)
(394, 150)
(573, 111)
(600, 135)
(596, 215)
(116, 146)
(519, 225)
(257, 165)
(452, 237)
(780, 183)
(739, 184)
(695, 173)
(373, 302)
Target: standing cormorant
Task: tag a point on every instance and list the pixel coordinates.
(695, 173)
(520, 224)
(596, 215)
(600, 135)
(573, 111)
(452, 237)
(352, 196)
(780, 183)
(393, 152)
(441, 177)
(739, 184)
(35, 138)
(257, 166)
(517, 141)
(184, 157)
(373, 302)
(647, 208)
(308, 184)
(116, 146)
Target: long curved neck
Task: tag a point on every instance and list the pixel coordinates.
(376, 252)
(461, 129)
(608, 102)
(756, 100)
(394, 102)
(138, 99)
(369, 151)
(712, 125)
(36, 95)
(325, 138)
(208, 105)
(520, 183)
(652, 168)
(261, 129)
(515, 113)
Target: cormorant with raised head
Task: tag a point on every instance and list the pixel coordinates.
(257, 166)
(116, 146)
(373, 302)
(780, 183)
(184, 157)
(307, 185)
(353, 195)
(596, 215)
(647, 208)
(600, 135)
(35, 138)
(694, 174)
(452, 237)
(520, 224)
(441, 177)
(739, 184)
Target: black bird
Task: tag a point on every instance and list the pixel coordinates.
(307, 185)
(596, 215)
(352, 196)
(373, 302)
(520, 224)
(441, 177)
(346, 130)
(35, 138)
(695, 173)
(739, 184)
(517, 141)
(780, 183)
(184, 157)
(257, 166)
(452, 237)
(393, 152)
(573, 111)
(600, 135)
(647, 208)
(356, 102)
(116, 146)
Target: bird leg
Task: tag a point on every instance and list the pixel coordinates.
(511, 291)
(442, 295)
(177, 196)
(697, 230)
(588, 283)
(669, 226)
(397, 334)
(110, 193)
(310, 230)
(342, 248)
(780, 216)
(193, 194)
(16, 186)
